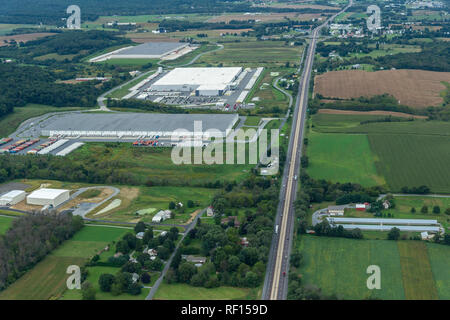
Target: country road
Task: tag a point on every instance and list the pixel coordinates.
(276, 281)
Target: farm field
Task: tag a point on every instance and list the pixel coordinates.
(417, 276)
(415, 88)
(266, 17)
(181, 291)
(440, 260)
(24, 37)
(417, 160)
(10, 122)
(47, 280)
(342, 158)
(338, 266)
(253, 54)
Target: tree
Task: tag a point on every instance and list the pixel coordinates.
(424, 209)
(105, 282)
(123, 280)
(394, 234)
(436, 209)
(148, 235)
(140, 227)
(87, 291)
(185, 272)
(296, 259)
(145, 278)
(190, 204)
(413, 210)
(134, 289)
(172, 205)
(447, 211)
(251, 279)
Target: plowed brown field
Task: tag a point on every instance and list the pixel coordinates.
(415, 88)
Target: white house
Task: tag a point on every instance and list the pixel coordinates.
(140, 235)
(54, 197)
(210, 211)
(13, 197)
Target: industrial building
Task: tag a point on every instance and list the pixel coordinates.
(199, 81)
(13, 197)
(149, 50)
(44, 197)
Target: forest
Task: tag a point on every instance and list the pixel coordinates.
(30, 239)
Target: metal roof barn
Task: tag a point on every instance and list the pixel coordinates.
(388, 227)
(383, 221)
(43, 197)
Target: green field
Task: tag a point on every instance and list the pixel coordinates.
(5, 223)
(155, 164)
(10, 122)
(181, 291)
(417, 160)
(159, 199)
(342, 158)
(440, 261)
(408, 153)
(338, 266)
(253, 54)
(47, 280)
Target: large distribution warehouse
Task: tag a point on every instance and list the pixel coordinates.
(43, 197)
(13, 197)
(201, 81)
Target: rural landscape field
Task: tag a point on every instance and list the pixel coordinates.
(197, 150)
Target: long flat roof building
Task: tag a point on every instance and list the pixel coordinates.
(151, 50)
(44, 196)
(204, 81)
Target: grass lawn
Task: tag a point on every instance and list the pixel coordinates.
(417, 276)
(129, 62)
(10, 122)
(440, 261)
(5, 223)
(47, 280)
(181, 291)
(338, 265)
(252, 121)
(342, 158)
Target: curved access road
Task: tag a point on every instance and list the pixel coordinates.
(276, 281)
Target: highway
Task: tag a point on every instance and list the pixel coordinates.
(276, 281)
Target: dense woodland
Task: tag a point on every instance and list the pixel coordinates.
(30, 239)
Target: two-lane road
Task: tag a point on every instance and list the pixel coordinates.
(276, 282)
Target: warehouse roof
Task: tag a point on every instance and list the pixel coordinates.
(199, 76)
(152, 48)
(383, 221)
(12, 194)
(47, 193)
(388, 227)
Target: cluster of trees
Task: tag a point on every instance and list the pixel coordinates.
(172, 25)
(342, 49)
(416, 190)
(324, 228)
(30, 239)
(231, 262)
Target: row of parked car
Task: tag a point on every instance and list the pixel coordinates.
(18, 145)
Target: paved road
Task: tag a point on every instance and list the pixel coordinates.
(275, 286)
(167, 265)
(95, 205)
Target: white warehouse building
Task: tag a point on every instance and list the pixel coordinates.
(43, 197)
(201, 81)
(13, 197)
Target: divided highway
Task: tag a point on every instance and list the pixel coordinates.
(276, 281)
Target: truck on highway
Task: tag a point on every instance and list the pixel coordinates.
(276, 229)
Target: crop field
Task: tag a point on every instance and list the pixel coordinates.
(342, 158)
(24, 37)
(266, 17)
(253, 54)
(410, 153)
(417, 276)
(338, 265)
(409, 269)
(417, 160)
(371, 113)
(415, 88)
(181, 291)
(47, 279)
(440, 260)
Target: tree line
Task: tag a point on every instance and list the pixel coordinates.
(30, 239)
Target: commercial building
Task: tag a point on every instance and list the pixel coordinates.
(336, 210)
(161, 216)
(199, 81)
(44, 197)
(13, 197)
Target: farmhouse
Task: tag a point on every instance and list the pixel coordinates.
(210, 211)
(44, 197)
(13, 197)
